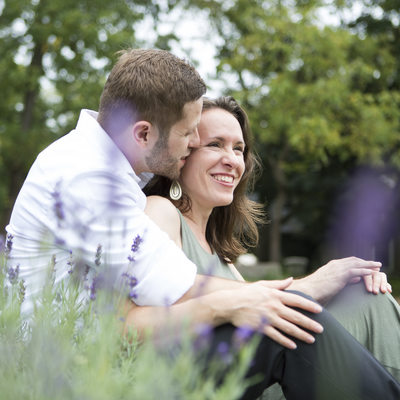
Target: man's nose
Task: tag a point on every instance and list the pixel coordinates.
(194, 139)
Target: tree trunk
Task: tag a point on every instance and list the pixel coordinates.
(33, 88)
(275, 239)
(278, 204)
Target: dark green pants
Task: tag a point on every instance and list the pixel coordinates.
(336, 366)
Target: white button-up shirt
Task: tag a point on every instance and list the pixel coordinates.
(82, 206)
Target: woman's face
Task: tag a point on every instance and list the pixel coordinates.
(214, 169)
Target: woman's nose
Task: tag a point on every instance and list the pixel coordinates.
(230, 159)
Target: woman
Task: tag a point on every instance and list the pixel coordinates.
(214, 218)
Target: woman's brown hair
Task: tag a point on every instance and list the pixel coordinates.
(233, 228)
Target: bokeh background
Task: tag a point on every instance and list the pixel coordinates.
(320, 81)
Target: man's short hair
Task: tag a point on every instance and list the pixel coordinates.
(151, 85)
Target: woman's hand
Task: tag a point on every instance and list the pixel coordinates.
(377, 282)
(330, 279)
(264, 306)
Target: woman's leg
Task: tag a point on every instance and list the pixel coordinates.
(374, 320)
(336, 366)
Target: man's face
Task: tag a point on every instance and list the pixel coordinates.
(169, 153)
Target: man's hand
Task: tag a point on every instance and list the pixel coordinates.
(331, 278)
(265, 307)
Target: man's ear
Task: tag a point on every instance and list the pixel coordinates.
(144, 133)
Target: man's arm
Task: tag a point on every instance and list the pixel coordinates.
(214, 301)
(262, 306)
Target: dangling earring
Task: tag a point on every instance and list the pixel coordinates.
(175, 191)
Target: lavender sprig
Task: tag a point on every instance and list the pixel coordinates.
(131, 282)
(204, 334)
(97, 260)
(71, 262)
(58, 206)
(12, 274)
(224, 352)
(135, 247)
(96, 281)
(243, 334)
(9, 243)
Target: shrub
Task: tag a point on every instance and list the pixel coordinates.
(71, 350)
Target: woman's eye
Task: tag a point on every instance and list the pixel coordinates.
(213, 144)
(239, 148)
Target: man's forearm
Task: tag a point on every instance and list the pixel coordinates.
(210, 309)
(205, 284)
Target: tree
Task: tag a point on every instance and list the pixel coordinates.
(303, 87)
(55, 58)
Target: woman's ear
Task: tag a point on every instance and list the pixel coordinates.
(143, 133)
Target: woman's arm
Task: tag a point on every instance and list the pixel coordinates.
(328, 280)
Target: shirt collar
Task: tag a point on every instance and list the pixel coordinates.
(87, 125)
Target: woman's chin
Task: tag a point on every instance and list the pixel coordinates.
(222, 202)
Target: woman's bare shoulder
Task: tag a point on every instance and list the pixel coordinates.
(165, 215)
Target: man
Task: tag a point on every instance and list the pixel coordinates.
(84, 190)
(81, 207)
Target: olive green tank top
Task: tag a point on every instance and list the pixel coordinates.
(207, 264)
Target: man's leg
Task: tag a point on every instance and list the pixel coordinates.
(336, 366)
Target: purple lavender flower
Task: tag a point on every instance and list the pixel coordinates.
(70, 262)
(263, 323)
(204, 333)
(12, 274)
(224, 353)
(136, 243)
(130, 282)
(59, 241)
(135, 247)
(97, 260)
(58, 207)
(94, 286)
(363, 219)
(242, 335)
(9, 243)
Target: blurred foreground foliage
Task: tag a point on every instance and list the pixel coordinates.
(73, 351)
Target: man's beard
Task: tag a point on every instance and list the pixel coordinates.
(160, 162)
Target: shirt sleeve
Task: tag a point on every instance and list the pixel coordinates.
(100, 217)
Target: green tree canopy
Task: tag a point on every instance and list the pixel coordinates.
(308, 91)
(55, 59)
